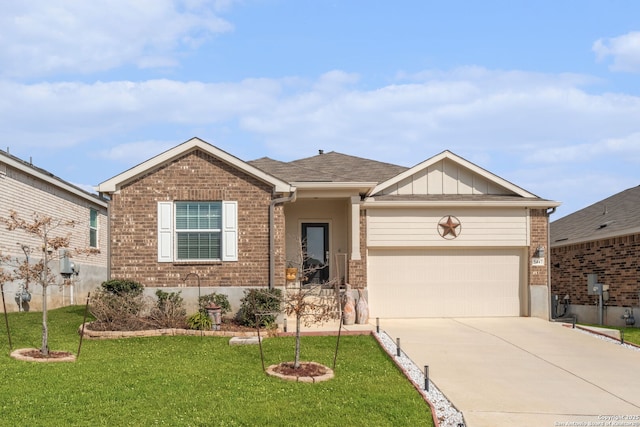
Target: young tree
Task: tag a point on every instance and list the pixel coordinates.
(307, 301)
(46, 231)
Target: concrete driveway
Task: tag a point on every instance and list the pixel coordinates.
(524, 371)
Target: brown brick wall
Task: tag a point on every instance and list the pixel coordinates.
(358, 268)
(615, 261)
(539, 229)
(195, 176)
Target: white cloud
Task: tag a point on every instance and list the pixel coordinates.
(41, 37)
(64, 114)
(624, 49)
(532, 129)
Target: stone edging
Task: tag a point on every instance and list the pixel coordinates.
(91, 334)
(326, 377)
(20, 355)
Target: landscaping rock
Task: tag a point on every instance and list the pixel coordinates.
(245, 341)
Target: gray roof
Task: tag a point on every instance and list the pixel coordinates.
(614, 216)
(35, 171)
(329, 167)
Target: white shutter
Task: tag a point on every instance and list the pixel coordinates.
(229, 231)
(165, 231)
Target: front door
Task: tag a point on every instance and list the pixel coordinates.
(315, 242)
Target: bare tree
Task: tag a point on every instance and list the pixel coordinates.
(310, 303)
(45, 230)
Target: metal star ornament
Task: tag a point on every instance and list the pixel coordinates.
(449, 227)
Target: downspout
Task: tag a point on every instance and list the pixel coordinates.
(551, 307)
(108, 200)
(272, 238)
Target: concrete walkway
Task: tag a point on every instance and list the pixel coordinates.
(524, 371)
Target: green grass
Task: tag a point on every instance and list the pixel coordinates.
(195, 381)
(631, 333)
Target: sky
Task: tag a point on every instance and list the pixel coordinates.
(545, 94)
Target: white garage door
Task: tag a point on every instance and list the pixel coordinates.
(444, 283)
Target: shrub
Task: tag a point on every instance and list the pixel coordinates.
(200, 320)
(263, 303)
(123, 287)
(221, 300)
(169, 311)
(117, 311)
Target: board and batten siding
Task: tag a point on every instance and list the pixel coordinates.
(445, 177)
(418, 227)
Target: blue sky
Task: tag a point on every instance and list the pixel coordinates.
(545, 94)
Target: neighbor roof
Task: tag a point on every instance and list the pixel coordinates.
(614, 216)
(46, 176)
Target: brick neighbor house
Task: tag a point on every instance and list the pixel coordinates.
(443, 238)
(601, 239)
(27, 189)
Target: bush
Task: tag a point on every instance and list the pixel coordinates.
(115, 312)
(262, 302)
(123, 287)
(221, 300)
(169, 311)
(200, 320)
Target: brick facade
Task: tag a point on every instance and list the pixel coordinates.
(615, 260)
(539, 220)
(195, 176)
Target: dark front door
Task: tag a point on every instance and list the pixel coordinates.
(315, 243)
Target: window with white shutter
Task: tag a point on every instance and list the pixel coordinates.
(197, 231)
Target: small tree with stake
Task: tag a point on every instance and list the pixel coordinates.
(44, 229)
(307, 302)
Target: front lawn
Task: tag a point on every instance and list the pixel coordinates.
(196, 381)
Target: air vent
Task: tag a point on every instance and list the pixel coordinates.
(605, 224)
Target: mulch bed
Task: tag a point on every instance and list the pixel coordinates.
(34, 355)
(305, 369)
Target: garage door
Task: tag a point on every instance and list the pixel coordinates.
(444, 283)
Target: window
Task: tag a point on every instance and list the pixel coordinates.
(198, 230)
(93, 228)
(194, 231)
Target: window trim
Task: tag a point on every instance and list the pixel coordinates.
(93, 229)
(167, 241)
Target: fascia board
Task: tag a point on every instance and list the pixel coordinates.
(453, 157)
(333, 185)
(525, 203)
(112, 185)
(593, 238)
(55, 182)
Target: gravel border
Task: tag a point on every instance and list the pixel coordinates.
(446, 414)
(605, 338)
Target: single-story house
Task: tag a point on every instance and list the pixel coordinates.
(27, 189)
(602, 240)
(442, 238)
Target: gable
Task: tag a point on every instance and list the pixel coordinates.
(448, 174)
(194, 144)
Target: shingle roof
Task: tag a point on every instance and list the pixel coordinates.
(329, 167)
(31, 169)
(614, 216)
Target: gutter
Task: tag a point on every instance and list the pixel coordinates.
(272, 239)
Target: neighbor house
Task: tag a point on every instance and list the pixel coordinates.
(28, 190)
(443, 238)
(604, 240)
